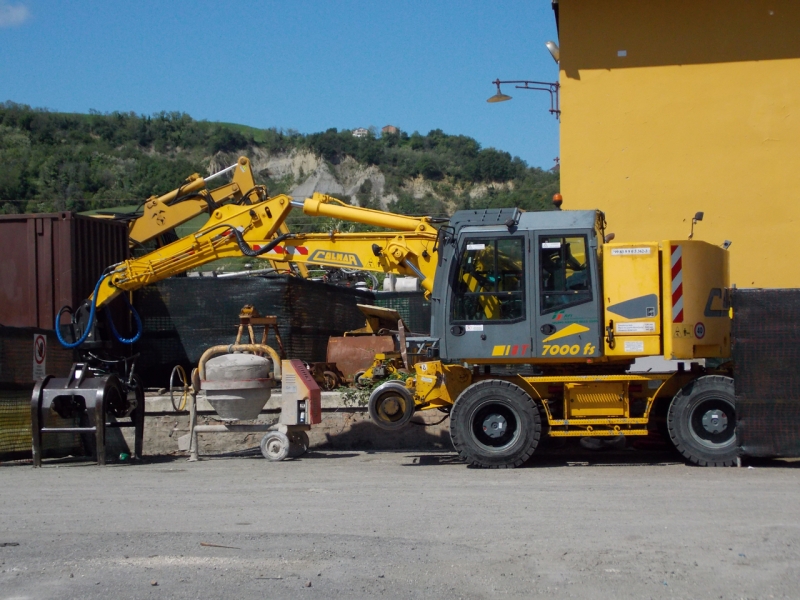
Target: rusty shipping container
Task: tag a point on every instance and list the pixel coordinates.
(51, 260)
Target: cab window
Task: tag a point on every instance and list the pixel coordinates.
(490, 281)
(564, 278)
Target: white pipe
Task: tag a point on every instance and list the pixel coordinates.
(218, 173)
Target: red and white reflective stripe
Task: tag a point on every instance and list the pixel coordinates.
(677, 285)
(302, 250)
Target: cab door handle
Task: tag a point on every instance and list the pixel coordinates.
(548, 329)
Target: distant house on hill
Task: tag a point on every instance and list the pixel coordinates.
(390, 129)
(360, 132)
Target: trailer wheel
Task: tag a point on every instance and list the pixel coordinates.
(275, 446)
(298, 444)
(702, 421)
(360, 380)
(391, 405)
(330, 381)
(495, 424)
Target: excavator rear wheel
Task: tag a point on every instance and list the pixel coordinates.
(495, 424)
(702, 421)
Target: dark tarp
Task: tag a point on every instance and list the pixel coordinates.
(766, 351)
(183, 316)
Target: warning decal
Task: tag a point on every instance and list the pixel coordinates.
(39, 356)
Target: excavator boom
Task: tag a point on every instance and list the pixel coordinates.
(258, 230)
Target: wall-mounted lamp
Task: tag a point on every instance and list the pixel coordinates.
(499, 96)
(698, 216)
(552, 47)
(542, 86)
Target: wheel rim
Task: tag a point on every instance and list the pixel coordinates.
(274, 447)
(712, 423)
(494, 425)
(391, 407)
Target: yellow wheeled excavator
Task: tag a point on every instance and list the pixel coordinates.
(537, 318)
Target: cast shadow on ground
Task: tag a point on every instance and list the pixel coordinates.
(366, 436)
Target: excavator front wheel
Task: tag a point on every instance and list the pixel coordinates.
(495, 424)
(391, 406)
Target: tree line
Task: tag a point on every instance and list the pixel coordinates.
(51, 161)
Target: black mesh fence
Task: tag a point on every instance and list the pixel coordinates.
(183, 316)
(16, 387)
(15, 430)
(766, 351)
(412, 307)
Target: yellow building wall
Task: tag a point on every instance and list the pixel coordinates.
(701, 113)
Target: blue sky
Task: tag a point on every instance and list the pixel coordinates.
(304, 65)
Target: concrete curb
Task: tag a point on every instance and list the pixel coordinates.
(161, 404)
(344, 427)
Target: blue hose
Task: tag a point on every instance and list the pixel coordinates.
(88, 326)
(92, 313)
(135, 317)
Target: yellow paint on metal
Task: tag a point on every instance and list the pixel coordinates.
(596, 433)
(579, 422)
(607, 399)
(438, 385)
(631, 274)
(569, 330)
(696, 300)
(570, 378)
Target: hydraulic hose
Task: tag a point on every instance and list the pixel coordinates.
(212, 206)
(92, 315)
(248, 251)
(136, 318)
(88, 326)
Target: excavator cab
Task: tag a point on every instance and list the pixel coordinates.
(520, 287)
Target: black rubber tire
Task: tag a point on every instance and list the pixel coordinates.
(497, 401)
(358, 381)
(396, 396)
(331, 381)
(714, 398)
(298, 444)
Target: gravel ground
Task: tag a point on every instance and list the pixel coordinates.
(625, 524)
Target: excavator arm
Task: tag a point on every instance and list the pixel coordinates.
(255, 230)
(193, 198)
(161, 214)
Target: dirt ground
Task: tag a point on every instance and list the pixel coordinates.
(624, 524)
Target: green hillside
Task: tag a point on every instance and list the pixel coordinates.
(62, 161)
